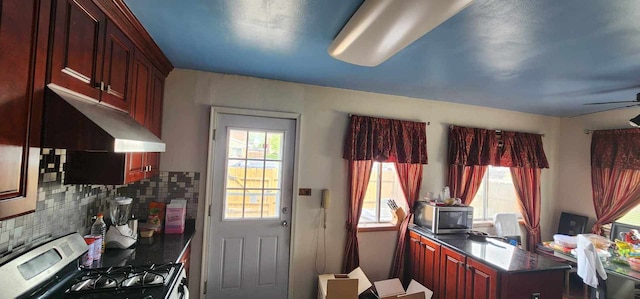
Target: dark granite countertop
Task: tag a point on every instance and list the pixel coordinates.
(159, 249)
(498, 255)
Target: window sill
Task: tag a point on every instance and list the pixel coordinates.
(376, 227)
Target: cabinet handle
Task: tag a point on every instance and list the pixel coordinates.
(108, 88)
(100, 85)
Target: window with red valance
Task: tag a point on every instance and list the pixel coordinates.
(472, 150)
(370, 139)
(615, 174)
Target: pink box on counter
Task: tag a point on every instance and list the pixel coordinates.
(175, 215)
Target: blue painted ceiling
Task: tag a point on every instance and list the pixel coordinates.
(544, 56)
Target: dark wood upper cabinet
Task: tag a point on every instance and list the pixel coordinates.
(78, 45)
(117, 68)
(91, 55)
(23, 44)
(154, 119)
(146, 108)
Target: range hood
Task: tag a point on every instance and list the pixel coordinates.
(74, 121)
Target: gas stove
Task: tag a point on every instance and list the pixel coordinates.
(51, 271)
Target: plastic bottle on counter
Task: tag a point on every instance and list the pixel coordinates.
(99, 228)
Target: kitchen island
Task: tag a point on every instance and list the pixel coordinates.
(455, 267)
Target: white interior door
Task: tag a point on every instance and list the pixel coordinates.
(251, 207)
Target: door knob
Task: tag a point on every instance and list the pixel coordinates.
(285, 223)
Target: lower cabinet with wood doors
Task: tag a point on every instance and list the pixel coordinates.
(457, 268)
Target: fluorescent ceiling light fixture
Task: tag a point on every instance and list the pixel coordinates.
(381, 28)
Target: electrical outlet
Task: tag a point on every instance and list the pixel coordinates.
(535, 296)
(304, 191)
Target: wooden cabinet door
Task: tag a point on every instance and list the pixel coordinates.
(137, 162)
(452, 274)
(154, 119)
(482, 281)
(415, 256)
(431, 263)
(78, 44)
(23, 44)
(117, 68)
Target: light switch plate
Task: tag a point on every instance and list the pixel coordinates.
(304, 191)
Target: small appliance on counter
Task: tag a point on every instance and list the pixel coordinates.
(443, 219)
(120, 235)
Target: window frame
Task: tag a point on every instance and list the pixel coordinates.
(485, 180)
(246, 160)
(379, 225)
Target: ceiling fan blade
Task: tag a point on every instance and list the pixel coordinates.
(614, 102)
(616, 108)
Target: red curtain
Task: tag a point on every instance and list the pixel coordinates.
(359, 173)
(526, 181)
(410, 177)
(464, 181)
(615, 174)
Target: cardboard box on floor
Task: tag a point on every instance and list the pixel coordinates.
(350, 286)
(392, 288)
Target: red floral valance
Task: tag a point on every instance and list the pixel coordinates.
(385, 140)
(522, 150)
(481, 147)
(616, 149)
(472, 146)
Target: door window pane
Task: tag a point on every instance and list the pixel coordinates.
(274, 146)
(233, 204)
(256, 145)
(271, 204)
(252, 204)
(253, 174)
(272, 174)
(237, 144)
(236, 174)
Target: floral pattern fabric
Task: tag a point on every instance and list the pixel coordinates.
(385, 140)
(482, 147)
(616, 149)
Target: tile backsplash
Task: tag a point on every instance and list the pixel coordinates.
(63, 209)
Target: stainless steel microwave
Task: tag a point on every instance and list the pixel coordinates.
(443, 219)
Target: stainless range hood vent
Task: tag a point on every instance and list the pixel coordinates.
(76, 122)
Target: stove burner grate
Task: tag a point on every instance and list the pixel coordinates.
(120, 278)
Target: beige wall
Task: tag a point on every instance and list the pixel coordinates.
(574, 174)
(189, 95)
